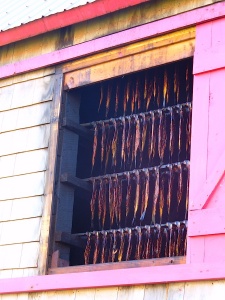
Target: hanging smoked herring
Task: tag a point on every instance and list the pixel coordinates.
(137, 195)
(145, 195)
(95, 145)
(87, 249)
(93, 201)
(156, 193)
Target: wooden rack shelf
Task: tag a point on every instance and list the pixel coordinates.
(120, 265)
(79, 239)
(166, 109)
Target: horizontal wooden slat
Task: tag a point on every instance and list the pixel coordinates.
(134, 48)
(78, 129)
(206, 221)
(27, 76)
(120, 265)
(76, 182)
(24, 140)
(29, 116)
(129, 64)
(29, 256)
(16, 273)
(21, 208)
(19, 256)
(22, 163)
(26, 93)
(70, 239)
(20, 231)
(10, 256)
(22, 186)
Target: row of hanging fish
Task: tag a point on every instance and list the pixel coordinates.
(140, 197)
(138, 243)
(137, 141)
(152, 89)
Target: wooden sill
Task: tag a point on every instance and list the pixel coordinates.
(120, 265)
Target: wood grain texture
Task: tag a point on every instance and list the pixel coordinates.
(22, 186)
(47, 220)
(24, 140)
(156, 292)
(21, 208)
(120, 265)
(23, 163)
(199, 139)
(182, 291)
(85, 294)
(131, 293)
(98, 27)
(175, 291)
(40, 73)
(26, 93)
(206, 290)
(132, 63)
(106, 293)
(216, 141)
(25, 117)
(199, 222)
(134, 48)
(20, 231)
(20, 258)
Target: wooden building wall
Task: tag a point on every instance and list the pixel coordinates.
(95, 28)
(174, 291)
(25, 109)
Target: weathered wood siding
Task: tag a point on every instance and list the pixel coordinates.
(25, 105)
(174, 291)
(25, 109)
(95, 28)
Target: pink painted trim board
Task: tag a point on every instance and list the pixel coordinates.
(114, 40)
(124, 277)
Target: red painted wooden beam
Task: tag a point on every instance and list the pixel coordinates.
(65, 18)
(123, 277)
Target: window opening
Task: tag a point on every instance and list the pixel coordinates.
(137, 164)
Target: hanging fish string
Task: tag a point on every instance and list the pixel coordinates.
(147, 90)
(140, 166)
(146, 242)
(141, 140)
(140, 197)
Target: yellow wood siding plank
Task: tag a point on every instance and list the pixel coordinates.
(26, 93)
(14, 273)
(86, 294)
(22, 186)
(156, 292)
(131, 293)
(23, 163)
(24, 140)
(26, 208)
(129, 64)
(27, 76)
(20, 231)
(33, 115)
(10, 256)
(206, 290)
(176, 291)
(134, 48)
(29, 255)
(106, 293)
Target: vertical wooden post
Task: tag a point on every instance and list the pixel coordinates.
(67, 164)
(49, 189)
